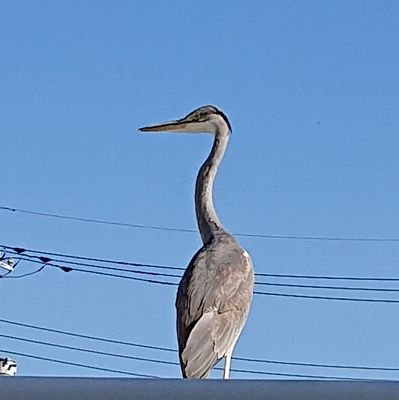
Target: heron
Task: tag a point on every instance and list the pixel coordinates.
(215, 292)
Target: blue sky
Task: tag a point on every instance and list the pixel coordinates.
(311, 91)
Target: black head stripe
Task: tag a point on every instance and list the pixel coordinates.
(209, 109)
(223, 115)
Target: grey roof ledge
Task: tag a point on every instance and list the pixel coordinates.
(66, 388)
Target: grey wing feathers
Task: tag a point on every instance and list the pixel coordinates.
(212, 305)
(198, 356)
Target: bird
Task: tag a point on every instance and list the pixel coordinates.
(215, 293)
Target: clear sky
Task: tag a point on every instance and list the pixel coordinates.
(311, 90)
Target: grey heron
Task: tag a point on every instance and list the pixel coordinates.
(215, 292)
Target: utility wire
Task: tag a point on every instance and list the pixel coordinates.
(257, 292)
(291, 375)
(303, 296)
(6, 276)
(167, 283)
(350, 288)
(79, 335)
(329, 277)
(38, 259)
(184, 230)
(84, 350)
(69, 269)
(157, 361)
(94, 220)
(172, 350)
(20, 250)
(107, 274)
(58, 361)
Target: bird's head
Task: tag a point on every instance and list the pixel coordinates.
(205, 119)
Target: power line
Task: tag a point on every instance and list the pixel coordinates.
(329, 277)
(291, 375)
(107, 274)
(324, 377)
(172, 350)
(70, 269)
(94, 220)
(317, 365)
(54, 360)
(101, 353)
(184, 230)
(157, 361)
(304, 296)
(37, 259)
(167, 283)
(46, 260)
(79, 335)
(20, 250)
(294, 285)
(255, 292)
(6, 276)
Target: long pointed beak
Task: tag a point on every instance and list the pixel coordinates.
(171, 126)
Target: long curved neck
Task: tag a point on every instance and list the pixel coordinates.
(208, 221)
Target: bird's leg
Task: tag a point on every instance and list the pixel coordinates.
(227, 361)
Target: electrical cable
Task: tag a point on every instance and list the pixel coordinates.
(58, 361)
(19, 251)
(184, 230)
(157, 361)
(172, 350)
(257, 292)
(37, 259)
